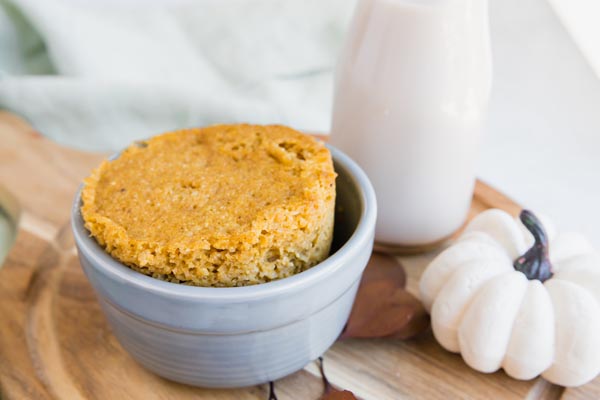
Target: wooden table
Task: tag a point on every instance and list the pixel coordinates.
(56, 344)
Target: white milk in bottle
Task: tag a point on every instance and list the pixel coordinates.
(412, 89)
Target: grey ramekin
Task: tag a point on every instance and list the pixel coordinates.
(233, 337)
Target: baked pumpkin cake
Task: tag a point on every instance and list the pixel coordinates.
(226, 205)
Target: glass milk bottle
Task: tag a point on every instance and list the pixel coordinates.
(412, 89)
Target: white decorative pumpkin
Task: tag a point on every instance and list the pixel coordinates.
(529, 312)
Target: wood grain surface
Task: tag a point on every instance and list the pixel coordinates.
(55, 342)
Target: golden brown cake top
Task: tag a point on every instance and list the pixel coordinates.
(181, 188)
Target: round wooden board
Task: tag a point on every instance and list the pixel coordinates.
(56, 344)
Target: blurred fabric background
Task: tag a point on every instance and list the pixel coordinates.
(98, 74)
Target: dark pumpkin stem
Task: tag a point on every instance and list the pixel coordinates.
(535, 263)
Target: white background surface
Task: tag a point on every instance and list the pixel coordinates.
(542, 145)
(580, 18)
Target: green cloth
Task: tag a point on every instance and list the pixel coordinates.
(7, 236)
(98, 75)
